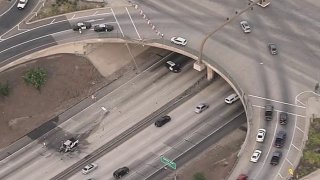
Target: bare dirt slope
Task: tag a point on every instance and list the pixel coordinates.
(70, 79)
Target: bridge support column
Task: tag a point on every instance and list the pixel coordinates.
(210, 73)
(199, 66)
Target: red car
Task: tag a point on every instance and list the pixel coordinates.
(242, 177)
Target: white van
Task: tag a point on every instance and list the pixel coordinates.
(231, 98)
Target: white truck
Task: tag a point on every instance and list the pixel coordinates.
(69, 145)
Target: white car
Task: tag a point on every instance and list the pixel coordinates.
(179, 41)
(22, 4)
(201, 107)
(261, 134)
(88, 168)
(245, 26)
(255, 156)
(231, 98)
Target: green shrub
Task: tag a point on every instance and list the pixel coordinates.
(36, 77)
(199, 176)
(4, 89)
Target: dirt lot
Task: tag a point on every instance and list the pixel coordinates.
(70, 79)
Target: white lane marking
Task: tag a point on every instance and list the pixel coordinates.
(281, 176)
(133, 24)
(93, 20)
(296, 147)
(294, 130)
(289, 161)
(27, 30)
(193, 145)
(117, 22)
(300, 129)
(297, 96)
(52, 21)
(9, 8)
(303, 116)
(276, 101)
(95, 12)
(264, 161)
(73, 16)
(20, 21)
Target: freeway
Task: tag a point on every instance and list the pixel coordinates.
(244, 58)
(184, 131)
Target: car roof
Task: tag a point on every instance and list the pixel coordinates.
(171, 63)
(180, 39)
(231, 96)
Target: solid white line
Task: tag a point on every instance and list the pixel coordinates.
(117, 22)
(9, 8)
(280, 176)
(280, 111)
(264, 161)
(133, 24)
(296, 147)
(300, 129)
(294, 130)
(289, 162)
(23, 43)
(276, 101)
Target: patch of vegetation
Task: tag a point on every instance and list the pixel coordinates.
(4, 89)
(199, 176)
(36, 77)
(56, 7)
(311, 154)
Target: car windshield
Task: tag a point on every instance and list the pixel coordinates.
(22, 1)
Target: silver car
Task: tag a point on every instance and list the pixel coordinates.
(201, 107)
(179, 41)
(245, 26)
(273, 48)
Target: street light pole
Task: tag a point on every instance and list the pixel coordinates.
(221, 26)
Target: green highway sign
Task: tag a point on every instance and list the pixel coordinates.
(168, 162)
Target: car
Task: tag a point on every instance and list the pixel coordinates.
(119, 173)
(231, 98)
(162, 121)
(280, 139)
(276, 157)
(89, 168)
(273, 48)
(174, 67)
(255, 156)
(22, 4)
(179, 41)
(81, 25)
(245, 26)
(261, 135)
(242, 177)
(103, 28)
(268, 112)
(201, 107)
(283, 118)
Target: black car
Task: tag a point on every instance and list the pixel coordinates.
(103, 28)
(273, 48)
(174, 67)
(276, 156)
(81, 25)
(280, 139)
(268, 112)
(283, 118)
(162, 121)
(121, 172)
